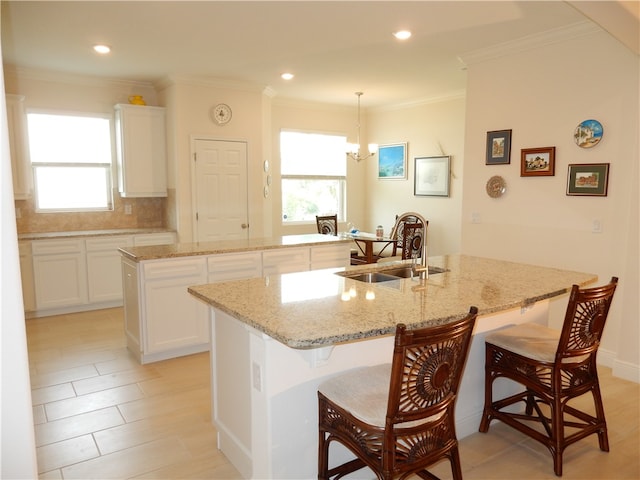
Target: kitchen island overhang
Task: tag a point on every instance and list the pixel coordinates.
(274, 339)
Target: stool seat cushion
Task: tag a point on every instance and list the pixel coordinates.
(363, 392)
(529, 340)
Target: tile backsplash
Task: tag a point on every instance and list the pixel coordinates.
(145, 213)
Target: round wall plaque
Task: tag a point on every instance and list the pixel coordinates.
(588, 134)
(496, 186)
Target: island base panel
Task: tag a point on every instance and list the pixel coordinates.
(265, 400)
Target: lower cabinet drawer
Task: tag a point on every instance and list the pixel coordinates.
(285, 260)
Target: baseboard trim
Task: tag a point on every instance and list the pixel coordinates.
(626, 371)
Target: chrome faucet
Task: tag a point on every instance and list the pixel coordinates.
(423, 268)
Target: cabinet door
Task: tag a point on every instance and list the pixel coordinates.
(285, 260)
(59, 269)
(104, 271)
(141, 150)
(174, 318)
(20, 169)
(234, 266)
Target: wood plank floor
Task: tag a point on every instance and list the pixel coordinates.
(99, 414)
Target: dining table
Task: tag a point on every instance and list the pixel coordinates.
(365, 242)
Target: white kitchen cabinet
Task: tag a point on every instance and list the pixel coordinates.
(160, 238)
(60, 273)
(26, 275)
(141, 151)
(104, 275)
(285, 260)
(174, 322)
(20, 168)
(234, 266)
(330, 256)
(162, 320)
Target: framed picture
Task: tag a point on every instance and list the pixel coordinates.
(392, 161)
(588, 179)
(432, 176)
(498, 147)
(538, 162)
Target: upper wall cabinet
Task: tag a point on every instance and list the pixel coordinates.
(16, 122)
(142, 151)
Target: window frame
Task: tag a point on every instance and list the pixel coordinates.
(107, 167)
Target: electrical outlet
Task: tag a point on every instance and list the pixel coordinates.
(257, 376)
(127, 209)
(596, 226)
(475, 217)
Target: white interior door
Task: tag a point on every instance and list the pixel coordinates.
(220, 190)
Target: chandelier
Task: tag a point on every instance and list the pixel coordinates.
(353, 149)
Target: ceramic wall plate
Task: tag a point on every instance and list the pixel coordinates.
(588, 134)
(496, 186)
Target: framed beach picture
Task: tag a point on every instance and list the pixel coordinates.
(538, 162)
(498, 147)
(392, 161)
(432, 176)
(588, 179)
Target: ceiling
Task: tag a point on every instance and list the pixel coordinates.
(334, 48)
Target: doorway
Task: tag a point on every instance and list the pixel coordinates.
(220, 190)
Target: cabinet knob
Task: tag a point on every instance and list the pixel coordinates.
(245, 225)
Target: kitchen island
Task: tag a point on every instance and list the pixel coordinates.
(161, 319)
(275, 338)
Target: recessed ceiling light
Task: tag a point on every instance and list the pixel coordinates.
(287, 76)
(402, 34)
(102, 49)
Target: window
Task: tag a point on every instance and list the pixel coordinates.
(314, 175)
(71, 160)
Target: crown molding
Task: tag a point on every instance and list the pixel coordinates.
(454, 95)
(529, 42)
(211, 82)
(71, 78)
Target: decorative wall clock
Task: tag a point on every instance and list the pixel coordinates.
(220, 114)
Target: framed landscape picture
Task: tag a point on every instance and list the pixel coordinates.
(392, 161)
(538, 162)
(432, 176)
(588, 179)
(498, 147)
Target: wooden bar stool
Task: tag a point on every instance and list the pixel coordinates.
(398, 418)
(554, 367)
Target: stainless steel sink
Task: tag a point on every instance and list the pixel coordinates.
(373, 277)
(405, 272)
(388, 274)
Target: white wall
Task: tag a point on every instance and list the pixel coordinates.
(188, 104)
(430, 129)
(542, 94)
(18, 446)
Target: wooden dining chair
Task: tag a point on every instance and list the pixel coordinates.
(397, 233)
(398, 418)
(412, 235)
(554, 367)
(327, 224)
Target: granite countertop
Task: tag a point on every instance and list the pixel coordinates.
(90, 233)
(139, 254)
(322, 307)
